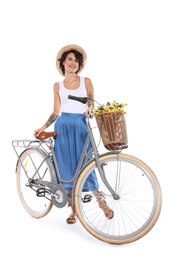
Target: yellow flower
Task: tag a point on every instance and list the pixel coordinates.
(110, 107)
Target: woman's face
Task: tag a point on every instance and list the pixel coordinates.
(71, 64)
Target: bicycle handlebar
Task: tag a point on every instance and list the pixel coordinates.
(83, 100)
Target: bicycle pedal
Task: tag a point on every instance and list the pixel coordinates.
(87, 198)
(41, 192)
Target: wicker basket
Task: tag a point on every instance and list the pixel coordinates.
(112, 127)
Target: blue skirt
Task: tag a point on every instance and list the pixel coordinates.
(68, 145)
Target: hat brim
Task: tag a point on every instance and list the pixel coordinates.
(68, 48)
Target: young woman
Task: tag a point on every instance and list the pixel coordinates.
(70, 125)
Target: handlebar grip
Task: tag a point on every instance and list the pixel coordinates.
(80, 99)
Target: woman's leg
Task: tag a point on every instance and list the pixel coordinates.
(108, 212)
(73, 217)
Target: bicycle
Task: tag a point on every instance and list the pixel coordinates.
(129, 186)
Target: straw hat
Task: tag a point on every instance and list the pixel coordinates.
(69, 48)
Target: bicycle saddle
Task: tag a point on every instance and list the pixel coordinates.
(45, 135)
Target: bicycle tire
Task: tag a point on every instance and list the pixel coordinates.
(30, 160)
(138, 208)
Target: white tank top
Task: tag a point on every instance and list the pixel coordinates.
(69, 105)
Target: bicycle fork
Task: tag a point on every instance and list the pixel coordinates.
(104, 179)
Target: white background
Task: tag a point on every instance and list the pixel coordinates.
(134, 57)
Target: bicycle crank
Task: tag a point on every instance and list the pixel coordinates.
(57, 192)
(59, 196)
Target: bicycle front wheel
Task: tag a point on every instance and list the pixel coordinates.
(136, 207)
(32, 165)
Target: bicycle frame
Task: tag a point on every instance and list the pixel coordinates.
(85, 158)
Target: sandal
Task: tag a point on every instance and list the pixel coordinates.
(109, 213)
(72, 219)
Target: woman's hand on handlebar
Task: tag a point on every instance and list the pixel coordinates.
(88, 112)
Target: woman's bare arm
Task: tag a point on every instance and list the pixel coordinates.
(54, 115)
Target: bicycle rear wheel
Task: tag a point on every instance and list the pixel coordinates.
(137, 209)
(33, 166)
